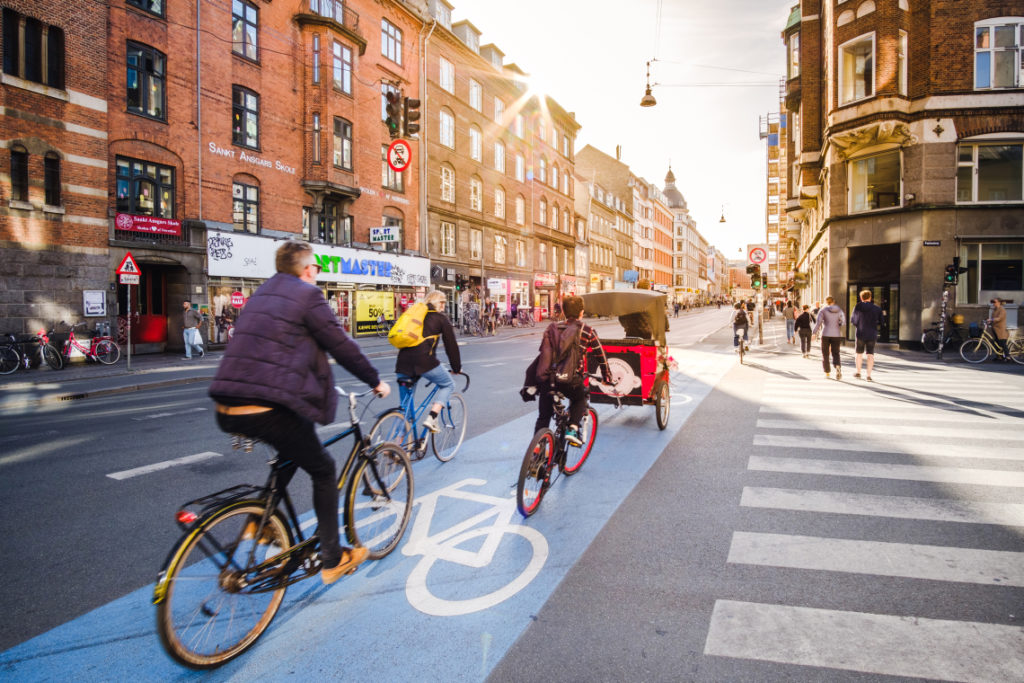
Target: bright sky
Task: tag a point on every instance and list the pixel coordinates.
(590, 55)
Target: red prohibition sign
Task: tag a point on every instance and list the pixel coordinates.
(399, 155)
(758, 255)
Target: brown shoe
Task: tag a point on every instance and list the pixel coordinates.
(350, 559)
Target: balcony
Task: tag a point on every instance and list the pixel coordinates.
(335, 16)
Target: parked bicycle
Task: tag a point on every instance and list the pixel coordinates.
(471, 322)
(383, 325)
(525, 316)
(102, 348)
(955, 336)
(225, 579)
(978, 349)
(28, 353)
(549, 451)
(403, 425)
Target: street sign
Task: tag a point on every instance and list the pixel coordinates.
(399, 155)
(758, 255)
(237, 299)
(129, 278)
(128, 266)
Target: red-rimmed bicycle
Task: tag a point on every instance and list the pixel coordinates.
(101, 348)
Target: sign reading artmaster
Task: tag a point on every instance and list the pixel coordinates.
(150, 224)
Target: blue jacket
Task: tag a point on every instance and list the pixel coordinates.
(277, 353)
(866, 318)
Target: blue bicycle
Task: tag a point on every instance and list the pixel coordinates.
(403, 426)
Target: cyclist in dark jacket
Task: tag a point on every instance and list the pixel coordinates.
(421, 360)
(274, 383)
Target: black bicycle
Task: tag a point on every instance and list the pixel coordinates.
(225, 579)
(549, 453)
(28, 353)
(955, 336)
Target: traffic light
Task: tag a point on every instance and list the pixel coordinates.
(951, 274)
(410, 116)
(754, 271)
(460, 284)
(394, 113)
(960, 270)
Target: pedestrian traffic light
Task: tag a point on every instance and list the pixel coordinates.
(951, 274)
(410, 116)
(394, 112)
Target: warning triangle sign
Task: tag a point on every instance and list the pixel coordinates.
(128, 265)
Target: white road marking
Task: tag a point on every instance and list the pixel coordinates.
(157, 466)
(827, 415)
(899, 507)
(843, 468)
(491, 365)
(869, 429)
(155, 416)
(874, 643)
(905, 560)
(891, 444)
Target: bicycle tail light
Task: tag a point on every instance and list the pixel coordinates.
(186, 517)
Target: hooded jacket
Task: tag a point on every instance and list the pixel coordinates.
(831, 321)
(277, 355)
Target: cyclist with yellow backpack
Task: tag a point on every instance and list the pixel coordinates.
(415, 333)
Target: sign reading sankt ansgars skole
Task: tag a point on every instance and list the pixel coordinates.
(230, 254)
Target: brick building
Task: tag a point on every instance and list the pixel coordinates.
(906, 146)
(615, 177)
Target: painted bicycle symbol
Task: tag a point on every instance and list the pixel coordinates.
(445, 546)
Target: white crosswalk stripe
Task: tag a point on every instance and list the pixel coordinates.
(818, 444)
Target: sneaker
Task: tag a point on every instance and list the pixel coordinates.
(828, 375)
(839, 374)
(202, 352)
(572, 436)
(857, 375)
(431, 424)
(868, 378)
(186, 357)
(350, 559)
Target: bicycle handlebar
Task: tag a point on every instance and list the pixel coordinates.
(467, 380)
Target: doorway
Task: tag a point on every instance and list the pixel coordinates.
(887, 297)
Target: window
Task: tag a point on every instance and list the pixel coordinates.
(520, 168)
(316, 58)
(447, 184)
(51, 179)
(390, 41)
(146, 81)
(565, 184)
(901, 64)
(152, 6)
(475, 244)
(245, 207)
(446, 78)
(566, 225)
(394, 222)
(499, 156)
(332, 9)
(476, 194)
(245, 117)
(520, 253)
(993, 269)
(447, 239)
(875, 182)
(554, 176)
(390, 178)
(990, 173)
(998, 51)
(856, 70)
(499, 202)
(33, 50)
(565, 145)
(144, 188)
(500, 248)
(244, 33)
(476, 146)
(342, 68)
(316, 138)
(19, 173)
(543, 170)
(499, 110)
(476, 95)
(554, 217)
(542, 212)
(793, 48)
(554, 257)
(520, 210)
(542, 256)
(518, 125)
(446, 123)
(541, 130)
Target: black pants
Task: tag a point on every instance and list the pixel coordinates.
(546, 405)
(295, 439)
(805, 339)
(830, 344)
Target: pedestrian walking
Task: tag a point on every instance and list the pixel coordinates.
(803, 328)
(675, 310)
(999, 331)
(831, 321)
(789, 314)
(191, 320)
(865, 317)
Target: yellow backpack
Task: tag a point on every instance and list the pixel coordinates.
(408, 329)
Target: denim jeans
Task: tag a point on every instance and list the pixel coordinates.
(440, 377)
(192, 339)
(790, 324)
(736, 337)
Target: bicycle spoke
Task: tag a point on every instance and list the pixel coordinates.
(379, 500)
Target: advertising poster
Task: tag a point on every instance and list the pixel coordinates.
(369, 305)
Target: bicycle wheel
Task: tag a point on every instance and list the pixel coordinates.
(930, 341)
(379, 500)
(107, 352)
(662, 403)
(974, 350)
(1015, 347)
(52, 358)
(391, 426)
(9, 360)
(535, 472)
(452, 422)
(575, 456)
(208, 613)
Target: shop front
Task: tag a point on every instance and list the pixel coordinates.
(568, 286)
(544, 294)
(359, 284)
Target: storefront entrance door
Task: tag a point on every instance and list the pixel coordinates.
(885, 296)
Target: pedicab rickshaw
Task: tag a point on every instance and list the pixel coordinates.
(639, 364)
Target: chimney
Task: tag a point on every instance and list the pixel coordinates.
(618, 152)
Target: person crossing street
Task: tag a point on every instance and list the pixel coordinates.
(831, 321)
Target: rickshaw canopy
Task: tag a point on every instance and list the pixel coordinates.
(618, 302)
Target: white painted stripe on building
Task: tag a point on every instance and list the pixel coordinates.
(88, 101)
(1006, 431)
(86, 220)
(899, 507)
(883, 644)
(873, 470)
(86, 161)
(891, 444)
(92, 132)
(82, 189)
(904, 560)
(166, 464)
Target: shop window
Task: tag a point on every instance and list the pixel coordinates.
(993, 269)
(990, 173)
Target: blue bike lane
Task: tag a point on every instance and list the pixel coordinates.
(469, 576)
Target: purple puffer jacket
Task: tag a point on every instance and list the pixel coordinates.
(277, 352)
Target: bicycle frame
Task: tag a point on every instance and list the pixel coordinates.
(72, 342)
(413, 413)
